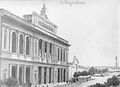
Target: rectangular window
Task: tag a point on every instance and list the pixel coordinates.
(49, 75)
(39, 74)
(45, 47)
(50, 48)
(58, 53)
(61, 54)
(27, 74)
(58, 74)
(40, 44)
(40, 47)
(14, 71)
(64, 55)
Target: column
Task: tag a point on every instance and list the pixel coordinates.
(10, 74)
(17, 71)
(24, 74)
(31, 74)
(61, 74)
(67, 74)
(48, 51)
(17, 41)
(56, 54)
(47, 76)
(0, 42)
(56, 75)
(53, 53)
(42, 75)
(52, 75)
(32, 47)
(67, 55)
(43, 49)
(59, 54)
(63, 59)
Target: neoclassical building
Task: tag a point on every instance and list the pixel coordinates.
(31, 50)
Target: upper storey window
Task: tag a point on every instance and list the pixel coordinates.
(45, 47)
(27, 45)
(21, 44)
(14, 42)
(40, 44)
(40, 47)
(50, 48)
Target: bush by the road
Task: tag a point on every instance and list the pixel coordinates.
(11, 82)
(114, 81)
(77, 74)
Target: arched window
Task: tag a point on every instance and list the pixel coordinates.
(21, 44)
(14, 42)
(27, 46)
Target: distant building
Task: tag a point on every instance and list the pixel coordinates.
(31, 51)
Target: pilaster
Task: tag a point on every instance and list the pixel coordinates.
(59, 54)
(47, 78)
(0, 42)
(48, 51)
(17, 71)
(24, 74)
(67, 74)
(42, 75)
(43, 49)
(53, 54)
(52, 75)
(61, 74)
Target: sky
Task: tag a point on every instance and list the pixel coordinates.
(90, 26)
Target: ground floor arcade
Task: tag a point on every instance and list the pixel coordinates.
(34, 72)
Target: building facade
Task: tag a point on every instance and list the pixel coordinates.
(31, 51)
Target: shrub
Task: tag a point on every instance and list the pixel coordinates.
(1, 83)
(114, 81)
(25, 85)
(12, 82)
(76, 74)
